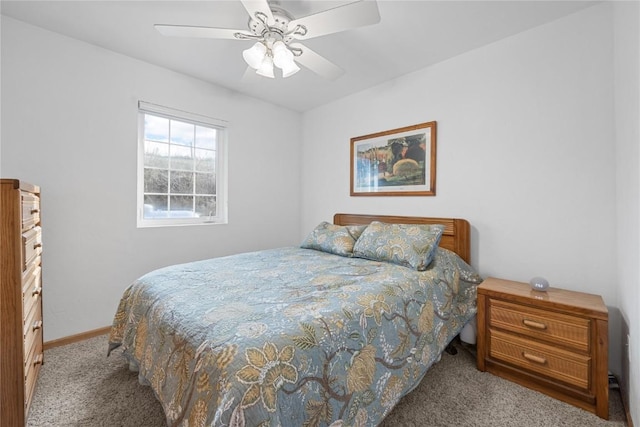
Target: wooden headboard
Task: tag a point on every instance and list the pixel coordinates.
(455, 236)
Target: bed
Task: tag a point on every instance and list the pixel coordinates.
(326, 334)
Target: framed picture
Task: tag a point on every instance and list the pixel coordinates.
(398, 162)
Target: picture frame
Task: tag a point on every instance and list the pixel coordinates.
(397, 162)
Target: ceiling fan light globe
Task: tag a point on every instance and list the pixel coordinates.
(290, 69)
(284, 60)
(279, 46)
(282, 57)
(255, 55)
(266, 68)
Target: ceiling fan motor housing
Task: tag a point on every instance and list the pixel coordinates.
(272, 31)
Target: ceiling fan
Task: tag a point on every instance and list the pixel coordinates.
(275, 32)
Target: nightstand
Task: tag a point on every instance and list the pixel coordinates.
(555, 342)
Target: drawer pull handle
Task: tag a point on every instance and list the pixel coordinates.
(37, 360)
(36, 291)
(536, 325)
(34, 211)
(37, 325)
(536, 359)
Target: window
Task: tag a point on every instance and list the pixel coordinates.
(181, 168)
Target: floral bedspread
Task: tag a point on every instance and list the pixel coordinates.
(290, 336)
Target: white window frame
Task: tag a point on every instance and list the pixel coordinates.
(221, 165)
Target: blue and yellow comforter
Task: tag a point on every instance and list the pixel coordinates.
(290, 336)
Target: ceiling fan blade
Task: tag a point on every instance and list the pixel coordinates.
(202, 32)
(316, 63)
(261, 6)
(342, 18)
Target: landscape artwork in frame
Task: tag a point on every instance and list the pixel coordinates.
(398, 162)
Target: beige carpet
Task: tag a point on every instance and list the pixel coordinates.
(80, 386)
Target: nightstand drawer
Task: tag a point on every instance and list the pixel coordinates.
(557, 328)
(561, 365)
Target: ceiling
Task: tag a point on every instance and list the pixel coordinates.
(411, 35)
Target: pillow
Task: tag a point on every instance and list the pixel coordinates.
(410, 245)
(334, 239)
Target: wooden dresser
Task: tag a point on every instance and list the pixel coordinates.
(555, 341)
(21, 353)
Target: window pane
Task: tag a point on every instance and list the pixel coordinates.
(156, 128)
(182, 133)
(205, 183)
(182, 203)
(156, 154)
(205, 160)
(206, 138)
(181, 158)
(182, 182)
(155, 206)
(155, 180)
(206, 205)
(181, 168)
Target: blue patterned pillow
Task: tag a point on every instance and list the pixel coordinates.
(410, 245)
(334, 239)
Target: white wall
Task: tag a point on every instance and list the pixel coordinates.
(626, 25)
(537, 147)
(69, 121)
(525, 152)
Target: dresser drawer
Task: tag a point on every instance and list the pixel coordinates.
(32, 365)
(555, 363)
(30, 210)
(566, 330)
(32, 246)
(30, 272)
(32, 324)
(31, 290)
